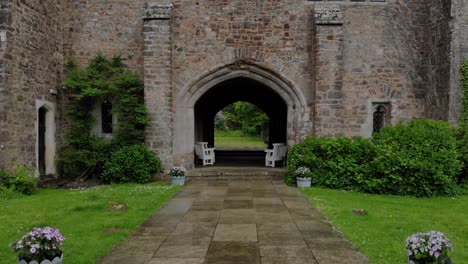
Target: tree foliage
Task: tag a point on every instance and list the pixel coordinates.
(242, 116)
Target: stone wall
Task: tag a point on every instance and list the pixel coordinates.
(158, 79)
(277, 35)
(34, 66)
(464, 29)
(373, 56)
(437, 63)
(337, 59)
(112, 27)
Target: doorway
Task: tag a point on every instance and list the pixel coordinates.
(42, 130)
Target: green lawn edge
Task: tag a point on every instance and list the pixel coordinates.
(381, 233)
(91, 229)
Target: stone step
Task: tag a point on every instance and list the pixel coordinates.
(236, 173)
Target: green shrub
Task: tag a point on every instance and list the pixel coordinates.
(131, 164)
(462, 145)
(334, 162)
(3, 175)
(20, 182)
(464, 84)
(77, 163)
(8, 193)
(417, 158)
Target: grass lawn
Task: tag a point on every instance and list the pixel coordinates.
(236, 140)
(381, 234)
(90, 227)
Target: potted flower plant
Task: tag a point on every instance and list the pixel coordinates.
(40, 246)
(178, 175)
(428, 248)
(303, 177)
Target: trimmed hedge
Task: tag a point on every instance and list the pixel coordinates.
(418, 158)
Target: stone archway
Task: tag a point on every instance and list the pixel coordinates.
(240, 89)
(296, 124)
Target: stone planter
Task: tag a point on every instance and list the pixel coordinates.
(56, 260)
(178, 180)
(303, 182)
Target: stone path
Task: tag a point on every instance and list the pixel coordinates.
(236, 223)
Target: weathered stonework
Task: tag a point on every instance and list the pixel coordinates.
(328, 15)
(329, 62)
(158, 79)
(34, 64)
(155, 11)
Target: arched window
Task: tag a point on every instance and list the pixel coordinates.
(106, 117)
(381, 116)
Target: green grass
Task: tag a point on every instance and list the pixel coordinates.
(381, 234)
(83, 217)
(237, 140)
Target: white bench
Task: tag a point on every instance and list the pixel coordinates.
(207, 155)
(278, 153)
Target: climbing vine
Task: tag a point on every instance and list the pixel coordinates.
(103, 79)
(464, 80)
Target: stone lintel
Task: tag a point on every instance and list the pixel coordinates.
(155, 11)
(331, 15)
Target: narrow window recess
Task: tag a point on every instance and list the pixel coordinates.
(381, 116)
(106, 115)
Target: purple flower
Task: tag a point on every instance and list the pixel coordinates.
(39, 242)
(431, 245)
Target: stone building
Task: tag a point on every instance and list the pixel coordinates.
(326, 67)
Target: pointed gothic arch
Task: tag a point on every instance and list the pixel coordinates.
(296, 122)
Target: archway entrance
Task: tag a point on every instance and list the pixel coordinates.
(229, 92)
(198, 102)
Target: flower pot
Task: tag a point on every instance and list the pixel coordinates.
(56, 260)
(446, 260)
(303, 182)
(178, 180)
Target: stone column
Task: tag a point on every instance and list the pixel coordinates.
(158, 79)
(329, 116)
(5, 57)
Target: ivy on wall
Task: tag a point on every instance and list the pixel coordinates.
(464, 81)
(103, 79)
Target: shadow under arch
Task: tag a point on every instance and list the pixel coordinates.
(292, 98)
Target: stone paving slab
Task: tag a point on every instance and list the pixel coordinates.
(236, 222)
